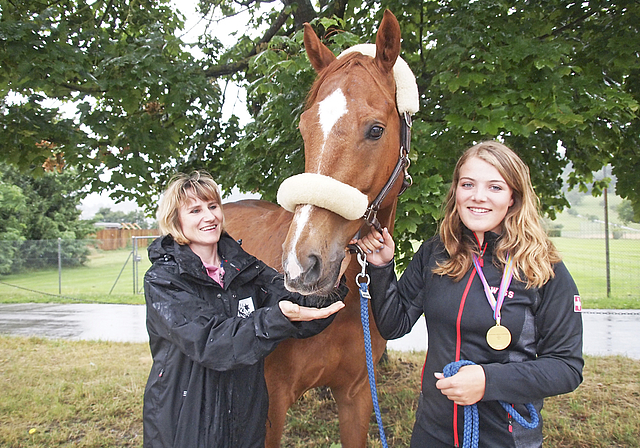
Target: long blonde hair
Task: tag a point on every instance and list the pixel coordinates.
(522, 233)
(199, 184)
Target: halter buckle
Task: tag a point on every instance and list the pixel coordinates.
(371, 217)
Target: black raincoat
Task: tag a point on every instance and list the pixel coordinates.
(206, 387)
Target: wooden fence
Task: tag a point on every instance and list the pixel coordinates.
(112, 239)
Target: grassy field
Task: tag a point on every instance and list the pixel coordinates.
(89, 394)
(112, 271)
(586, 262)
(585, 208)
(586, 257)
(108, 276)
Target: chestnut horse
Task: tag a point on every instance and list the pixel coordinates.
(352, 135)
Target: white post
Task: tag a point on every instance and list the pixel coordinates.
(60, 266)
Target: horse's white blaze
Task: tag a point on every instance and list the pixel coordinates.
(330, 110)
(300, 220)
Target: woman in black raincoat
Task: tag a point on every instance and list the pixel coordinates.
(214, 313)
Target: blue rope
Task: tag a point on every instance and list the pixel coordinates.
(519, 418)
(364, 317)
(471, 420)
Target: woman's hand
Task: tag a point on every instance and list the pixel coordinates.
(295, 312)
(465, 387)
(379, 248)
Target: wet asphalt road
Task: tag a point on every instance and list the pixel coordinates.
(606, 332)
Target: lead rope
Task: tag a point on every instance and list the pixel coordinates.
(364, 317)
(471, 420)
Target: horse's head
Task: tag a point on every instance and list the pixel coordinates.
(351, 132)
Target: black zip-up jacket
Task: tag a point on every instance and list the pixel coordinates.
(206, 387)
(543, 359)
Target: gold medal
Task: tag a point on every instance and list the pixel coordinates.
(498, 337)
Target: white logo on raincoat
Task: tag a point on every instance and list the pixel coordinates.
(245, 307)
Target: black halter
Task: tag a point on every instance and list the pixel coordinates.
(370, 215)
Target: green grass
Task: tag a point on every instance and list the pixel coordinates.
(106, 278)
(578, 219)
(64, 393)
(585, 259)
(89, 394)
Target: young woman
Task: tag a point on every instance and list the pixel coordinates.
(494, 292)
(214, 313)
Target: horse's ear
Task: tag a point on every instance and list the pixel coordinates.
(319, 55)
(388, 42)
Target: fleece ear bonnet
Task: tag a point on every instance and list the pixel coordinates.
(407, 98)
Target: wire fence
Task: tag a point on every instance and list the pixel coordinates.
(112, 270)
(603, 267)
(92, 270)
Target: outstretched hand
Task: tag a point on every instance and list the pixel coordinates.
(295, 312)
(379, 248)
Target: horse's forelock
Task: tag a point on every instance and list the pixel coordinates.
(340, 64)
(336, 65)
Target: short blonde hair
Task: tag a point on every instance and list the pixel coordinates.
(523, 235)
(181, 188)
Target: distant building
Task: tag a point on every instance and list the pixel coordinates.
(116, 225)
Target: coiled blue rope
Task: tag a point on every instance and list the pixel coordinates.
(471, 419)
(364, 317)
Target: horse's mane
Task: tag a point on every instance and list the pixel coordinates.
(356, 59)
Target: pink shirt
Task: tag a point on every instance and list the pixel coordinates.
(215, 272)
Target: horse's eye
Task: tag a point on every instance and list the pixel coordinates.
(376, 132)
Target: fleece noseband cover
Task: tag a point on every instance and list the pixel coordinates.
(322, 191)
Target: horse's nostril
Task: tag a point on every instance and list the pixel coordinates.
(313, 270)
